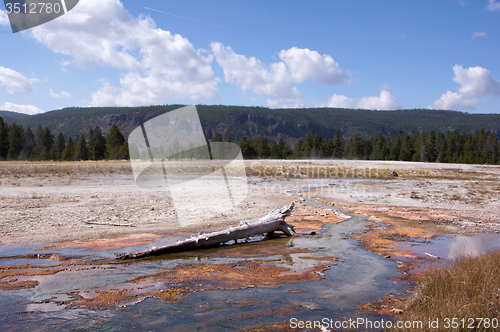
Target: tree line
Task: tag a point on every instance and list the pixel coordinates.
(479, 147)
(19, 144)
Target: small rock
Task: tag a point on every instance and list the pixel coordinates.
(396, 311)
(388, 256)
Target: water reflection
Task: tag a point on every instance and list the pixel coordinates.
(473, 245)
(454, 246)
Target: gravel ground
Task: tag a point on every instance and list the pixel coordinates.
(53, 202)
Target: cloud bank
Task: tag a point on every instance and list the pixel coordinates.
(16, 83)
(475, 82)
(277, 79)
(26, 109)
(154, 64)
(385, 101)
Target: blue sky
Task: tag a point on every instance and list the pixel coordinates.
(442, 54)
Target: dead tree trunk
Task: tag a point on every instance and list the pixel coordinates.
(274, 221)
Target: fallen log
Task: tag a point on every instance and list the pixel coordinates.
(107, 224)
(274, 221)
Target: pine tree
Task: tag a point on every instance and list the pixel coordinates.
(123, 152)
(247, 149)
(308, 145)
(317, 145)
(430, 147)
(493, 143)
(4, 139)
(80, 152)
(37, 148)
(227, 136)
(280, 150)
(454, 146)
(217, 138)
(468, 152)
(355, 147)
(262, 147)
(326, 148)
(441, 146)
(16, 140)
(396, 142)
(69, 150)
(114, 142)
(96, 144)
(44, 140)
(59, 146)
(407, 149)
(28, 145)
(299, 149)
(379, 149)
(90, 142)
(338, 146)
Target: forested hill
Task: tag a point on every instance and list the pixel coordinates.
(289, 124)
(10, 117)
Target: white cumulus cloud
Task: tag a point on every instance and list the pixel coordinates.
(277, 79)
(252, 74)
(63, 94)
(155, 65)
(385, 101)
(304, 64)
(4, 19)
(16, 83)
(475, 82)
(26, 109)
(493, 5)
(340, 101)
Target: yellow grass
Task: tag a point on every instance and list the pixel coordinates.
(466, 293)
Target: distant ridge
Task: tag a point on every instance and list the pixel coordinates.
(10, 117)
(273, 123)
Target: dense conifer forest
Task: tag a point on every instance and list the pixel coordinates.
(480, 147)
(475, 148)
(16, 143)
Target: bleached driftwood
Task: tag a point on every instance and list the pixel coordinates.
(107, 224)
(274, 221)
